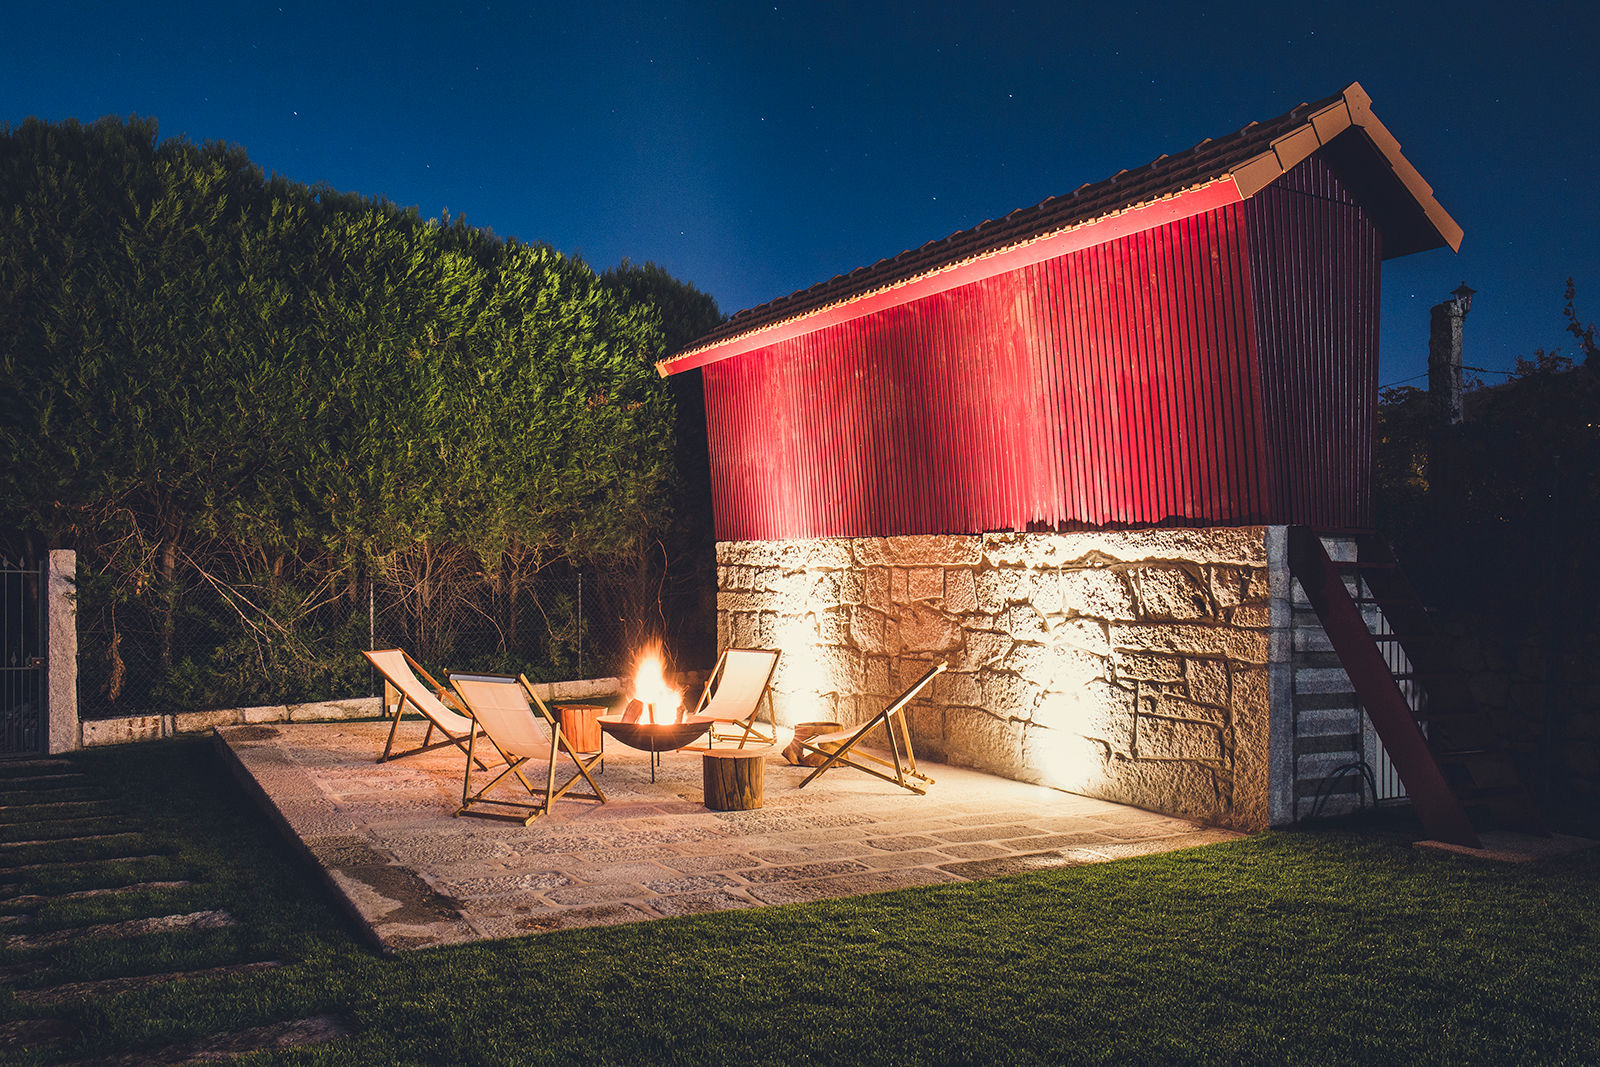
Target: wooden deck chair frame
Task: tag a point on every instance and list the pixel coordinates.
(838, 747)
(495, 724)
(456, 727)
(747, 724)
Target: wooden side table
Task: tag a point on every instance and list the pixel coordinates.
(735, 779)
(581, 724)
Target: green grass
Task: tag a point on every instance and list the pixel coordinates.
(1310, 947)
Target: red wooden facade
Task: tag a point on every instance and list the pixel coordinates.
(1216, 369)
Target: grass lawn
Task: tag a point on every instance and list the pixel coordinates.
(1309, 947)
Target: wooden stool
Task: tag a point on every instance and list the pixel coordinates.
(735, 778)
(581, 724)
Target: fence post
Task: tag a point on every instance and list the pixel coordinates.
(59, 579)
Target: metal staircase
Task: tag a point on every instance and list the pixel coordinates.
(1453, 769)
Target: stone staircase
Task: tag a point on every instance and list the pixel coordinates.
(65, 849)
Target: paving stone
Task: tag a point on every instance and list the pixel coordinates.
(890, 860)
(974, 850)
(83, 893)
(699, 903)
(698, 864)
(593, 894)
(196, 920)
(987, 833)
(1003, 865)
(690, 884)
(900, 844)
(504, 884)
(797, 872)
(849, 886)
(105, 987)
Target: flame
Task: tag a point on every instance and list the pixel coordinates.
(661, 702)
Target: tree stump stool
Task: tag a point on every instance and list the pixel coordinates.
(735, 779)
(581, 725)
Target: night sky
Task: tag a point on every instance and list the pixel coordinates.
(755, 149)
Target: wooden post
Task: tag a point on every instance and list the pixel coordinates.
(735, 780)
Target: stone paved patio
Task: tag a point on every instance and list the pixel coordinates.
(417, 877)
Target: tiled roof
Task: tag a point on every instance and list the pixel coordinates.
(1253, 156)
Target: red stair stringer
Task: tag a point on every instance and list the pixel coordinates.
(1436, 804)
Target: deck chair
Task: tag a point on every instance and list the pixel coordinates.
(742, 681)
(509, 713)
(839, 747)
(427, 696)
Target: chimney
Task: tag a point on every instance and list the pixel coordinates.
(1444, 356)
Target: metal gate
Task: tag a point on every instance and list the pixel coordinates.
(22, 693)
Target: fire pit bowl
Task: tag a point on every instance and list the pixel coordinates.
(654, 736)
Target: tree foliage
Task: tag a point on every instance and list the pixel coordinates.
(222, 380)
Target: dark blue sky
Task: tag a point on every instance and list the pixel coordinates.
(754, 149)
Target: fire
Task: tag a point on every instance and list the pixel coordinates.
(661, 702)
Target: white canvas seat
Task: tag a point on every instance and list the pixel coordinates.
(518, 724)
(427, 697)
(735, 690)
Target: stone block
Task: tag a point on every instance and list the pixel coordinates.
(875, 677)
(925, 583)
(833, 626)
(984, 740)
(193, 722)
(1258, 616)
(925, 630)
(958, 687)
(1230, 586)
(746, 629)
(1065, 760)
(982, 649)
(867, 631)
(1087, 635)
(917, 550)
(877, 587)
(1236, 545)
(1174, 706)
(279, 712)
(852, 587)
(1034, 662)
(897, 585)
(123, 731)
(999, 588)
(1157, 738)
(354, 708)
(1192, 639)
(1171, 593)
(1027, 624)
(960, 590)
(1207, 680)
(1147, 667)
(1009, 695)
(1175, 787)
(1098, 592)
(740, 602)
(1068, 669)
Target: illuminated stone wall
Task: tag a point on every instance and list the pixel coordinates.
(1137, 666)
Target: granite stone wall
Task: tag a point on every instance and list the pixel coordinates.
(1137, 666)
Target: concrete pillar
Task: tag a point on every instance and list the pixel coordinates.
(61, 650)
(1444, 357)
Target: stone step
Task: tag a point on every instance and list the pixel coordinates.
(102, 987)
(34, 781)
(34, 826)
(1345, 701)
(196, 920)
(1321, 680)
(32, 900)
(1328, 721)
(292, 1034)
(5, 846)
(58, 865)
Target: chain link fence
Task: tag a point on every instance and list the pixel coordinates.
(202, 645)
